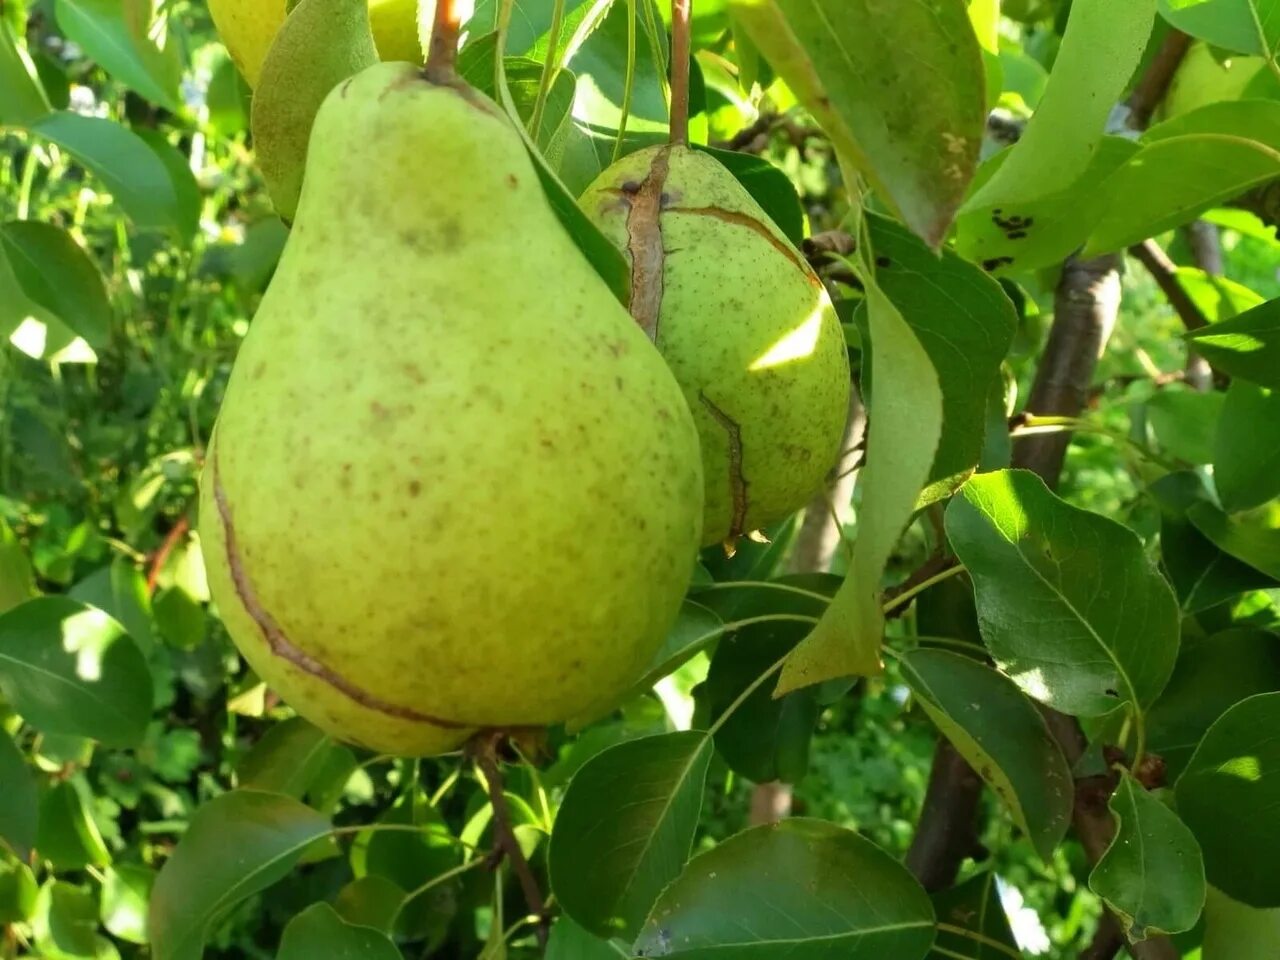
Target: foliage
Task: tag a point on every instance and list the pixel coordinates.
(157, 799)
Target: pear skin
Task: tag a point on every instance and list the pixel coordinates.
(248, 27)
(747, 327)
(452, 485)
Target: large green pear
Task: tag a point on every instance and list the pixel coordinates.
(452, 485)
(745, 324)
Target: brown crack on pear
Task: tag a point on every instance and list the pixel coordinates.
(737, 478)
(644, 204)
(754, 225)
(281, 646)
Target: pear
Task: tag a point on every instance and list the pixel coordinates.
(247, 28)
(746, 326)
(452, 485)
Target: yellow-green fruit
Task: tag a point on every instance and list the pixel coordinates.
(452, 485)
(745, 325)
(247, 28)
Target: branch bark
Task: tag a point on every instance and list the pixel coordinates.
(1165, 273)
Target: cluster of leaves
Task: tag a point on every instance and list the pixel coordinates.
(158, 799)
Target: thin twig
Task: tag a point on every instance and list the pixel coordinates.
(1165, 273)
(485, 751)
(681, 43)
(161, 556)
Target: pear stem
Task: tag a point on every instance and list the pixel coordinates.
(681, 43)
(484, 749)
(442, 53)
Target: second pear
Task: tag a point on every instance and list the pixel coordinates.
(744, 323)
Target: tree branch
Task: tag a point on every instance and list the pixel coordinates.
(1165, 273)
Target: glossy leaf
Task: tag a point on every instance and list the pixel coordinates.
(1068, 603)
(129, 169)
(17, 583)
(1152, 875)
(1246, 454)
(322, 43)
(569, 941)
(68, 837)
(114, 34)
(1228, 796)
(965, 322)
(1202, 574)
(857, 67)
(286, 760)
(1254, 540)
(126, 889)
(71, 669)
(18, 892)
(1234, 931)
(694, 629)
(1245, 26)
(1100, 50)
(625, 829)
(1211, 676)
(238, 844)
(975, 906)
(830, 894)
(319, 933)
(66, 922)
(19, 801)
(1247, 346)
(120, 591)
(22, 98)
(995, 728)
(1185, 421)
(1196, 173)
(907, 409)
(58, 275)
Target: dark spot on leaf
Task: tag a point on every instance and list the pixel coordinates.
(884, 262)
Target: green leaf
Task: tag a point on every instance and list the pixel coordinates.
(829, 894)
(1004, 738)
(322, 43)
(120, 591)
(1212, 675)
(186, 191)
(1196, 173)
(22, 98)
(1254, 540)
(695, 628)
(1202, 575)
(569, 941)
(769, 186)
(766, 738)
(1228, 796)
(319, 933)
(1043, 229)
(409, 859)
(1100, 50)
(126, 888)
(286, 760)
(18, 892)
(1246, 456)
(907, 410)
(857, 67)
(71, 669)
(1068, 603)
(973, 905)
(1217, 297)
(1233, 931)
(114, 34)
(68, 838)
(965, 322)
(19, 801)
(370, 901)
(17, 583)
(1245, 26)
(129, 169)
(59, 276)
(1152, 875)
(1185, 421)
(1247, 346)
(237, 845)
(66, 923)
(625, 828)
